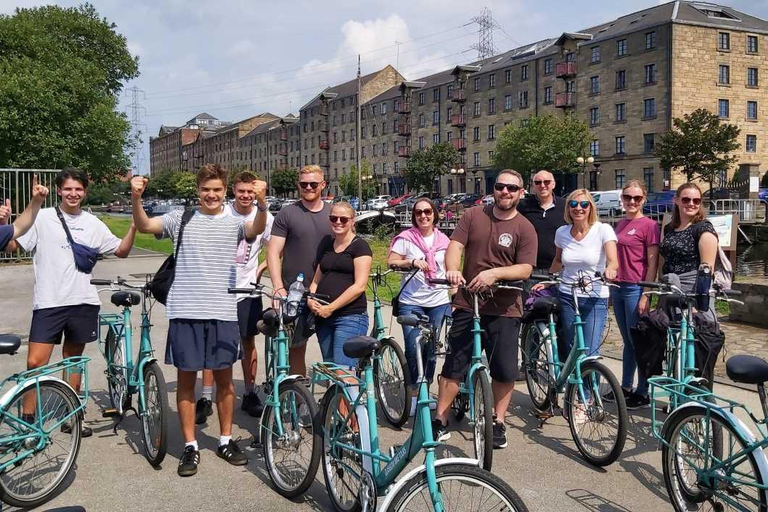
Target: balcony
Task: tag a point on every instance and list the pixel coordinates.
(404, 128)
(565, 69)
(283, 135)
(404, 107)
(459, 144)
(404, 151)
(565, 100)
(458, 95)
(282, 151)
(458, 120)
(325, 127)
(324, 144)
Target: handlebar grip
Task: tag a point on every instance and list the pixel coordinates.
(101, 282)
(516, 283)
(649, 284)
(540, 277)
(732, 293)
(320, 296)
(443, 282)
(246, 291)
(394, 267)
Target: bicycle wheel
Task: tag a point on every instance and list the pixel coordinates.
(116, 382)
(291, 458)
(393, 383)
(536, 367)
(598, 427)
(689, 450)
(154, 419)
(38, 477)
(342, 468)
(483, 418)
(463, 488)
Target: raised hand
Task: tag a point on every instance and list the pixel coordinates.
(5, 212)
(39, 192)
(138, 185)
(260, 189)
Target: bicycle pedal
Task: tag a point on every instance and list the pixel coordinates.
(110, 413)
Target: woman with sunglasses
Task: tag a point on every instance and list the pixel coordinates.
(638, 251)
(584, 246)
(422, 247)
(343, 264)
(689, 240)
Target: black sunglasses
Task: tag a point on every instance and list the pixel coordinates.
(573, 204)
(539, 183)
(688, 200)
(629, 198)
(305, 184)
(339, 218)
(425, 211)
(510, 187)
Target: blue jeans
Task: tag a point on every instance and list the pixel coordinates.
(334, 331)
(625, 300)
(436, 315)
(594, 311)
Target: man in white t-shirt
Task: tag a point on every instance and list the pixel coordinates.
(65, 302)
(245, 207)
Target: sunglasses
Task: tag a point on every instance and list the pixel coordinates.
(512, 188)
(573, 204)
(545, 183)
(696, 201)
(339, 218)
(306, 184)
(628, 198)
(425, 211)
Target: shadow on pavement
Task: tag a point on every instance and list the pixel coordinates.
(591, 501)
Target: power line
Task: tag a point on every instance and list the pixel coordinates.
(484, 46)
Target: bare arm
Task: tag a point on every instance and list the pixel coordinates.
(708, 249)
(143, 223)
(652, 257)
(255, 228)
(362, 269)
(274, 263)
(124, 249)
(315, 280)
(557, 263)
(27, 218)
(611, 260)
(453, 262)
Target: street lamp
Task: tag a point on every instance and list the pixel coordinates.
(583, 163)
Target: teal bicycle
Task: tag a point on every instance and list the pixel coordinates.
(40, 421)
(127, 377)
(358, 473)
(598, 427)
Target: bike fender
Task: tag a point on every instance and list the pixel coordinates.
(22, 386)
(591, 358)
(420, 469)
(144, 363)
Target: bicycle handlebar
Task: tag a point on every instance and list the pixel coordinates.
(101, 282)
(513, 285)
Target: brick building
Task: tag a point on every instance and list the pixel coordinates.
(167, 151)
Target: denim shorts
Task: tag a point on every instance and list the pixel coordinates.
(334, 331)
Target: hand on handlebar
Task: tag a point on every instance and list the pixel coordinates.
(421, 265)
(610, 274)
(277, 295)
(482, 281)
(319, 309)
(455, 277)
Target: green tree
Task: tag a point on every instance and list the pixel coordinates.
(348, 182)
(427, 165)
(699, 145)
(185, 186)
(62, 72)
(162, 184)
(284, 182)
(547, 142)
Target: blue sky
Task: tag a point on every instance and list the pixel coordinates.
(236, 58)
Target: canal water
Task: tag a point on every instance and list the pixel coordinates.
(752, 260)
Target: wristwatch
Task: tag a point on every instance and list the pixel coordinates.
(261, 208)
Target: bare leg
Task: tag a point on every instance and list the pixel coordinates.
(250, 360)
(447, 389)
(185, 401)
(502, 394)
(208, 378)
(73, 350)
(38, 354)
(225, 399)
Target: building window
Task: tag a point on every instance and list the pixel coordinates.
(547, 66)
(621, 48)
(373, 110)
(752, 110)
(396, 167)
(752, 44)
(650, 74)
(547, 95)
(507, 76)
(435, 138)
(435, 95)
(384, 128)
(491, 106)
(508, 102)
(621, 79)
(595, 55)
(383, 109)
(594, 116)
(343, 120)
(492, 80)
(491, 131)
(621, 112)
(449, 115)
(620, 178)
(570, 86)
(477, 159)
(421, 142)
(476, 133)
(375, 150)
(435, 117)
(477, 84)
(422, 121)
(649, 108)
(724, 41)
(524, 72)
(752, 80)
(476, 111)
(723, 108)
(422, 98)
(620, 145)
(374, 130)
(594, 148)
(724, 76)
(523, 99)
(649, 142)
(449, 136)
(648, 178)
(650, 40)
(751, 145)
(594, 85)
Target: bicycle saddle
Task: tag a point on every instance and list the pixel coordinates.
(126, 299)
(541, 308)
(747, 369)
(269, 323)
(9, 344)
(361, 346)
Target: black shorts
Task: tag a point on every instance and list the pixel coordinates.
(248, 314)
(78, 324)
(195, 345)
(499, 340)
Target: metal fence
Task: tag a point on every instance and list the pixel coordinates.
(750, 211)
(16, 185)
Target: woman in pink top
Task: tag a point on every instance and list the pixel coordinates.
(638, 252)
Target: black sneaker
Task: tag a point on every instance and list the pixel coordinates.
(203, 409)
(84, 431)
(252, 405)
(520, 374)
(636, 402)
(232, 453)
(499, 435)
(608, 397)
(189, 461)
(440, 431)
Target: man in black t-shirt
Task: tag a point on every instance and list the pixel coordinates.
(546, 213)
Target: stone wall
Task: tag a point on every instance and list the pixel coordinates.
(755, 298)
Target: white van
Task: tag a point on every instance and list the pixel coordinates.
(608, 203)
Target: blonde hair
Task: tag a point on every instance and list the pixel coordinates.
(351, 211)
(312, 169)
(638, 184)
(592, 216)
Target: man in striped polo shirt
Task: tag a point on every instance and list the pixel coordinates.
(203, 333)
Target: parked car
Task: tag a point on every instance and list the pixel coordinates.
(659, 203)
(469, 200)
(397, 200)
(485, 200)
(378, 202)
(721, 193)
(608, 203)
(763, 194)
(406, 205)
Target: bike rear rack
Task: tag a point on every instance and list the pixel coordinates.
(70, 365)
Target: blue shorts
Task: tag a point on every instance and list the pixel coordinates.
(78, 324)
(195, 345)
(248, 315)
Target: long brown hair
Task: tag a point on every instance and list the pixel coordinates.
(676, 218)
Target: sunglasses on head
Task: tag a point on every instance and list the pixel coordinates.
(339, 218)
(688, 200)
(510, 187)
(629, 198)
(425, 211)
(305, 184)
(573, 204)
(545, 183)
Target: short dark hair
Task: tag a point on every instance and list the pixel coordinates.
(435, 213)
(71, 173)
(244, 177)
(211, 172)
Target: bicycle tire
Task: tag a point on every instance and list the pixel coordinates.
(64, 407)
(335, 460)
(396, 408)
(291, 480)
(414, 495)
(116, 382)
(597, 413)
(536, 367)
(155, 433)
(689, 499)
(483, 419)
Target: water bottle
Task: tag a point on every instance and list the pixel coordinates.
(295, 294)
(703, 285)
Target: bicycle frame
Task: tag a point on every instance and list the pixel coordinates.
(276, 368)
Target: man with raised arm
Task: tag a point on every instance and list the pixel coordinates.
(25, 220)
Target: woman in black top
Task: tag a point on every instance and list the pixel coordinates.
(343, 264)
